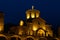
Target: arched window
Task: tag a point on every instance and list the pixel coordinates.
(41, 32)
(37, 14)
(28, 15)
(32, 15)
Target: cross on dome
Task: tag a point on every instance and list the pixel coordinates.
(32, 7)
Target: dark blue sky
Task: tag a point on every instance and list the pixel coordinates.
(15, 10)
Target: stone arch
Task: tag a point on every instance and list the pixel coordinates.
(2, 35)
(42, 32)
(30, 37)
(16, 36)
(39, 29)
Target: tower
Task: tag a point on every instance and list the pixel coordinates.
(1, 22)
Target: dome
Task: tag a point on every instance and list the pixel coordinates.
(32, 13)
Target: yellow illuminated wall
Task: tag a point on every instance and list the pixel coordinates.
(44, 27)
(50, 33)
(35, 26)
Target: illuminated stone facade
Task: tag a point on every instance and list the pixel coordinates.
(35, 28)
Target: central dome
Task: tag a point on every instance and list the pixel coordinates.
(32, 13)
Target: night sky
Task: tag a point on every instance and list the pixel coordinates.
(14, 10)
